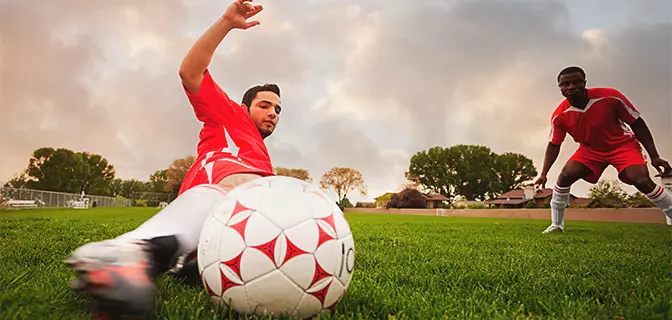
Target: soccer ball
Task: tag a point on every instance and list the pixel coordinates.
(276, 246)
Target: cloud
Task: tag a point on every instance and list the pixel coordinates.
(484, 73)
(364, 84)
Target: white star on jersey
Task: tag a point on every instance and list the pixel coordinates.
(231, 148)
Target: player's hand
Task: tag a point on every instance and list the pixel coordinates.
(663, 167)
(239, 11)
(541, 181)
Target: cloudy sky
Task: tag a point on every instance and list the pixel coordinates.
(365, 84)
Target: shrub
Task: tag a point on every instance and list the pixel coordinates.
(407, 198)
(365, 205)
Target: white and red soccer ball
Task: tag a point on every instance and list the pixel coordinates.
(277, 245)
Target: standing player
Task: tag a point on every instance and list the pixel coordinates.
(121, 273)
(596, 118)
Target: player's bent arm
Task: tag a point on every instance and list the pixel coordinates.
(199, 56)
(643, 134)
(556, 137)
(551, 154)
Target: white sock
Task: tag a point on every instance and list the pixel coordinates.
(184, 217)
(662, 199)
(559, 202)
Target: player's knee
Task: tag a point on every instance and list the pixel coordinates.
(643, 183)
(633, 178)
(565, 179)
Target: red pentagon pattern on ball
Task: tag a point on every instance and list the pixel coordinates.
(268, 249)
(280, 249)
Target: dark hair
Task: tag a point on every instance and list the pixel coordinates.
(572, 69)
(251, 93)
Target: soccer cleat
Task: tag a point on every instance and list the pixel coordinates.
(553, 228)
(119, 274)
(186, 269)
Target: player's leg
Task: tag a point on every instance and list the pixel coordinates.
(633, 170)
(121, 273)
(185, 267)
(183, 219)
(584, 164)
(572, 171)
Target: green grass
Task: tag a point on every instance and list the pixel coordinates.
(408, 267)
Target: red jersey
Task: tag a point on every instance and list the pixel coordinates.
(229, 140)
(600, 125)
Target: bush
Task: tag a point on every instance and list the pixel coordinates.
(546, 205)
(407, 198)
(476, 206)
(459, 206)
(365, 205)
(531, 205)
(141, 203)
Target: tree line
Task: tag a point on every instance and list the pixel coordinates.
(470, 172)
(64, 170)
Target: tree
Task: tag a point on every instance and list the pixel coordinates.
(608, 190)
(346, 203)
(95, 173)
(19, 181)
(64, 170)
(513, 170)
(409, 184)
(382, 200)
(475, 172)
(407, 198)
(343, 180)
(158, 181)
(176, 172)
(434, 170)
(301, 174)
(126, 188)
(471, 171)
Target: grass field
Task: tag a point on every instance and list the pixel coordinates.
(408, 267)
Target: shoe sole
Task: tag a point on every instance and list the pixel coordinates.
(114, 295)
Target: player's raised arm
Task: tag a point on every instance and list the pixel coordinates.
(199, 56)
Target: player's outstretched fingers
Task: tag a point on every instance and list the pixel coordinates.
(667, 169)
(253, 10)
(662, 166)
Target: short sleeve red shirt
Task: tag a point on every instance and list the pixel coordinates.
(228, 131)
(600, 125)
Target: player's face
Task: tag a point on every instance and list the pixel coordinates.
(265, 112)
(572, 85)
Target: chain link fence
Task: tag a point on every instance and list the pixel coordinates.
(152, 199)
(59, 199)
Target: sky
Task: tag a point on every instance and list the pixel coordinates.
(365, 84)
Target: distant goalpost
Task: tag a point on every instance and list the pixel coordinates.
(441, 212)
